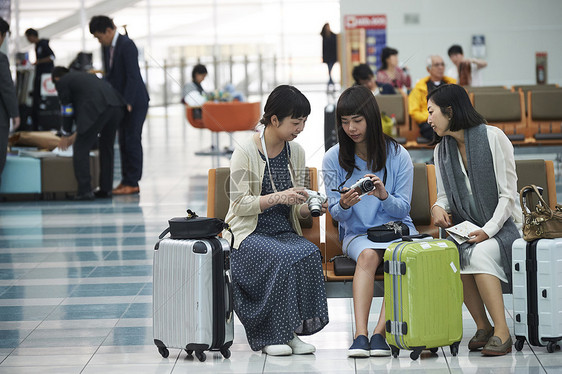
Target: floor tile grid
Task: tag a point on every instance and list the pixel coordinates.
(70, 291)
(114, 326)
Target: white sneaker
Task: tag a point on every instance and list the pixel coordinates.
(277, 350)
(299, 347)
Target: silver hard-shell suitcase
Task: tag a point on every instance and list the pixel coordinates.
(537, 292)
(192, 296)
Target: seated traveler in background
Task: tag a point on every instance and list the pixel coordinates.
(365, 151)
(476, 182)
(277, 274)
(417, 99)
(364, 76)
(390, 72)
(193, 93)
(465, 70)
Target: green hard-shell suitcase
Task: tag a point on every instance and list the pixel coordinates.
(423, 294)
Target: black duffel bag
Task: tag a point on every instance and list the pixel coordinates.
(194, 227)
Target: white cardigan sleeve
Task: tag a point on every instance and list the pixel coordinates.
(506, 179)
(442, 200)
(243, 184)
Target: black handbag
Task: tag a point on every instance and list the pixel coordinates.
(195, 227)
(388, 232)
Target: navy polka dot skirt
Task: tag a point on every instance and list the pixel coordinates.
(277, 274)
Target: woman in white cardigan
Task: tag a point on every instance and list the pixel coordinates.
(277, 274)
(476, 182)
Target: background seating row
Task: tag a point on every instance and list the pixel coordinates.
(529, 115)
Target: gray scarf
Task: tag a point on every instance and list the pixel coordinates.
(480, 170)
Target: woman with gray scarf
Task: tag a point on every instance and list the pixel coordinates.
(476, 182)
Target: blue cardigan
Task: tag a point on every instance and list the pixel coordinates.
(371, 211)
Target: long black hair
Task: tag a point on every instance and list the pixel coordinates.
(285, 101)
(454, 102)
(359, 100)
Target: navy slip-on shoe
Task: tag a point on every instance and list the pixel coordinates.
(378, 346)
(359, 348)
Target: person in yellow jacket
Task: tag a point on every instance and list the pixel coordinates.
(417, 100)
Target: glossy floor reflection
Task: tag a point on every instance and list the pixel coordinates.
(76, 279)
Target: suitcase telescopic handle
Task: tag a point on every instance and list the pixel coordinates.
(229, 297)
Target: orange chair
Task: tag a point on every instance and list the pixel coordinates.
(195, 122)
(228, 117)
(231, 116)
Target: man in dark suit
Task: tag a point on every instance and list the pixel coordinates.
(44, 57)
(96, 108)
(120, 57)
(8, 99)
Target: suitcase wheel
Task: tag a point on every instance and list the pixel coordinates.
(433, 350)
(395, 351)
(225, 352)
(164, 352)
(454, 348)
(415, 354)
(551, 347)
(519, 344)
(201, 356)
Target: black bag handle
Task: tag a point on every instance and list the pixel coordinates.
(164, 233)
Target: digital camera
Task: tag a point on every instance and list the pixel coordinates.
(363, 185)
(315, 201)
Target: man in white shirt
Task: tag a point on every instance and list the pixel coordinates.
(473, 76)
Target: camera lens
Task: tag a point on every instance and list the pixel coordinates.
(315, 207)
(367, 185)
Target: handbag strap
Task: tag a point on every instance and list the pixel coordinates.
(163, 234)
(523, 198)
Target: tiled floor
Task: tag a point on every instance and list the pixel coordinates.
(76, 285)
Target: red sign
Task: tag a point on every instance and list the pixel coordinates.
(47, 86)
(377, 21)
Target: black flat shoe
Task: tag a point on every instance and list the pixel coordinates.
(102, 194)
(88, 196)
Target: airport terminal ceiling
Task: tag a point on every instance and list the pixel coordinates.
(159, 25)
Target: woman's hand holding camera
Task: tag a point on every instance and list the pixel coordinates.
(291, 196)
(349, 198)
(379, 191)
(305, 210)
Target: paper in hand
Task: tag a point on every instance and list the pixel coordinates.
(460, 232)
